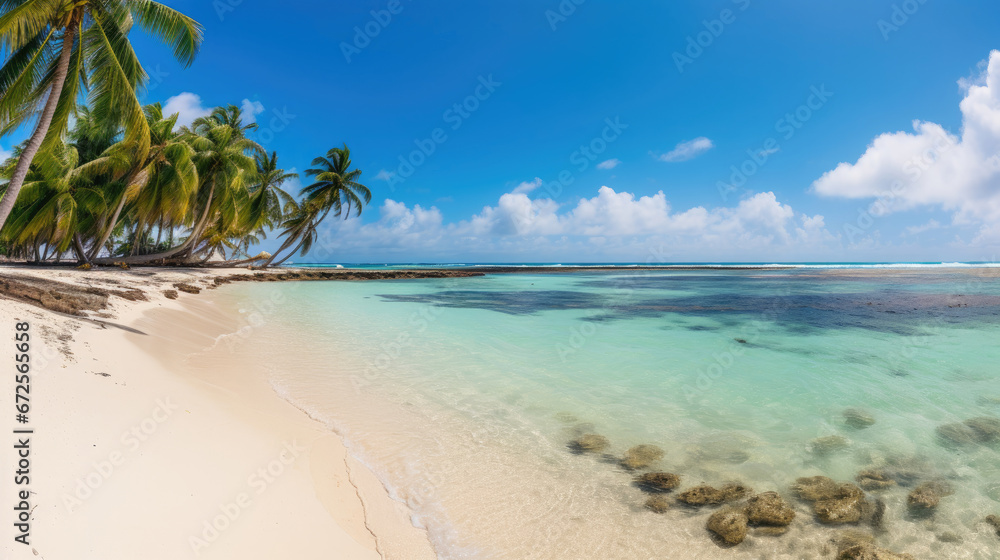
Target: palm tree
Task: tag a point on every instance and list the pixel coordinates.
(160, 185)
(336, 189)
(225, 170)
(58, 46)
(57, 205)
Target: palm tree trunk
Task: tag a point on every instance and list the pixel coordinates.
(78, 245)
(186, 246)
(132, 178)
(42, 128)
(292, 252)
(284, 246)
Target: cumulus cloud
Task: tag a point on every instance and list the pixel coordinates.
(611, 225)
(187, 106)
(384, 175)
(5, 154)
(689, 149)
(250, 111)
(609, 164)
(931, 167)
(527, 186)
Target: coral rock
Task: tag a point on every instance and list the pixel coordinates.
(986, 428)
(769, 509)
(658, 481)
(641, 456)
(730, 525)
(858, 418)
(591, 443)
(928, 495)
(874, 479)
(658, 504)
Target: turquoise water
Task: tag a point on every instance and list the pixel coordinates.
(462, 395)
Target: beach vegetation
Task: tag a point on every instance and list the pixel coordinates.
(104, 180)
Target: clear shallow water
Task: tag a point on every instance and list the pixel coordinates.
(463, 393)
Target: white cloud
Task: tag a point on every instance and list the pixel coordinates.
(930, 167)
(914, 230)
(5, 154)
(384, 175)
(609, 164)
(688, 150)
(608, 226)
(187, 106)
(527, 186)
(250, 111)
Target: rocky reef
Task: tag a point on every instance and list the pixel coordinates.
(833, 503)
(641, 457)
(658, 481)
(589, 443)
(705, 495)
(729, 525)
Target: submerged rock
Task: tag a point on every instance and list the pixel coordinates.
(986, 428)
(589, 443)
(730, 525)
(769, 508)
(858, 418)
(658, 481)
(641, 456)
(928, 495)
(833, 502)
(874, 515)
(847, 507)
(657, 504)
(566, 418)
(701, 496)
(874, 479)
(705, 495)
(950, 537)
(770, 531)
(868, 551)
(828, 444)
(958, 434)
(815, 488)
(994, 521)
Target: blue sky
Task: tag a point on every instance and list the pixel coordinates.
(507, 179)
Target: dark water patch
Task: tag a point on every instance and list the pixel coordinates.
(890, 311)
(523, 302)
(701, 328)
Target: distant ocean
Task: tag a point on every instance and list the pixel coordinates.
(463, 396)
(656, 265)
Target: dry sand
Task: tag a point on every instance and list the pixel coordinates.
(135, 456)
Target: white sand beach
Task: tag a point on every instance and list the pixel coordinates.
(134, 457)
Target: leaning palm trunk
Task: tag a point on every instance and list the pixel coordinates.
(42, 128)
(183, 248)
(288, 242)
(133, 178)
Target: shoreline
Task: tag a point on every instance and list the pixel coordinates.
(134, 448)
